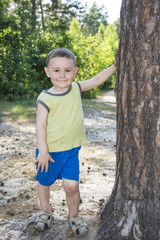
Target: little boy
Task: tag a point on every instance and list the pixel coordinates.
(60, 135)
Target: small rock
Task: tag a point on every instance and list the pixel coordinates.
(10, 213)
(27, 197)
(1, 184)
(12, 148)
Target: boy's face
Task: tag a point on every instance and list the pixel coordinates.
(61, 71)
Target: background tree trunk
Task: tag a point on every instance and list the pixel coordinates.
(33, 13)
(42, 15)
(133, 210)
(33, 7)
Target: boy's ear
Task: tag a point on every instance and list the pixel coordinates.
(47, 72)
(75, 71)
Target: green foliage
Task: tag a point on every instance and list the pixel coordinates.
(59, 14)
(92, 19)
(117, 24)
(94, 53)
(106, 52)
(25, 43)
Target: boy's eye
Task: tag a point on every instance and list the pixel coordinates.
(56, 70)
(68, 70)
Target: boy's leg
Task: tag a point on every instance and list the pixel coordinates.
(44, 195)
(71, 189)
(78, 226)
(44, 219)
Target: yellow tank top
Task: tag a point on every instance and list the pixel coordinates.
(65, 123)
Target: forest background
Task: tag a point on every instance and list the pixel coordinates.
(29, 29)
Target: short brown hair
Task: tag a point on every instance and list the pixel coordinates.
(60, 52)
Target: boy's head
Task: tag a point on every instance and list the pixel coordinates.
(60, 52)
(61, 68)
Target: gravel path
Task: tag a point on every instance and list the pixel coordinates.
(18, 196)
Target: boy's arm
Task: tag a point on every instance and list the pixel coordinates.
(99, 78)
(41, 126)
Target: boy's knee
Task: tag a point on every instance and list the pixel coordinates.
(42, 187)
(70, 186)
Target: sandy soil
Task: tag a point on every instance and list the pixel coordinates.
(18, 196)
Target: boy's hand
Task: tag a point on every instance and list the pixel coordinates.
(116, 59)
(42, 160)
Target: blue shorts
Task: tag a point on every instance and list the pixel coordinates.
(66, 166)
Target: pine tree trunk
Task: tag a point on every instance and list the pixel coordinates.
(33, 14)
(33, 7)
(133, 210)
(42, 14)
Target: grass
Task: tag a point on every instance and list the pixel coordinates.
(24, 110)
(95, 104)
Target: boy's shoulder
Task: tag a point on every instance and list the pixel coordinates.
(44, 91)
(43, 95)
(76, 84)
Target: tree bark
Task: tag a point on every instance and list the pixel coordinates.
(33, 13)
(133, 210)
(33, 7)
(42, 15)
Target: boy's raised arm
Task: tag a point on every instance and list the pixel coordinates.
(100, 77)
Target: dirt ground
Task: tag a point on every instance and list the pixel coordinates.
(18, 195)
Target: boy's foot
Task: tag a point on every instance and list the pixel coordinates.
(78, 226)
(43, 220)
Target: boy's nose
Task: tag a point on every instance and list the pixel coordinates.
(62, 74)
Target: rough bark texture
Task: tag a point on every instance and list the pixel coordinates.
(133, 210)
